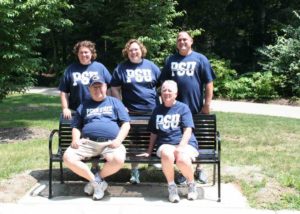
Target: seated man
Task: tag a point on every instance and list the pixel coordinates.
(99, 119)
(171, 126)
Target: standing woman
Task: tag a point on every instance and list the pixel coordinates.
(74, 83)
(134, 81)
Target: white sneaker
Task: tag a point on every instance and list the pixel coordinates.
(88, 188)
(99, 188)
(192, 191)
(157, 166)
(173, 193)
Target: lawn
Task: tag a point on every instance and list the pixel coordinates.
(259, 153)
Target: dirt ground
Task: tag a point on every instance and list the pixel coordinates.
(11, 135)
(13, 189)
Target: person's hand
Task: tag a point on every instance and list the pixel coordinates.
(205, 109)
(75, 144)
(67, 114)
(180, 148)
(115, 143)
(145, 154)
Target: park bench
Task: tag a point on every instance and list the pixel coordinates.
(137, 142)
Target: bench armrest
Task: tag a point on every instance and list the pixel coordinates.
(53, 132)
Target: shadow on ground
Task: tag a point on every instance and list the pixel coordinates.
(118, 185)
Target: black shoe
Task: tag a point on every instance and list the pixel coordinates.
(180, 179)
(201, 176)
(95, 169)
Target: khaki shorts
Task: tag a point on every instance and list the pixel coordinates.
(88, 148)
(188, 149)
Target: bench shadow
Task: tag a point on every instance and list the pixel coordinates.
(156, 190)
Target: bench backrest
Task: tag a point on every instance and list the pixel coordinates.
(138, 138)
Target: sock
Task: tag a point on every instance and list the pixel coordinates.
(98, 178)
(171, 183)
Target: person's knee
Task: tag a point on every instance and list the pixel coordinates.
(67, 157)
(116, 158)
(183, 160)
(167, 155)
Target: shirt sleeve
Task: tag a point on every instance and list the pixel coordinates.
(152, 123)
(64, 84)
(187, 118)
(116, 79)
(77, 121)
(121, 112)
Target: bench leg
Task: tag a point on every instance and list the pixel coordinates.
(50, 179)
(214, 174)
(219, 182)
(61, 173)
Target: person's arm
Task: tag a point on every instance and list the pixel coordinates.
(187, 132)
(116, 92)
(75, 138)
(123, 132)
(153, 138)
(65, 105)
(209, 87)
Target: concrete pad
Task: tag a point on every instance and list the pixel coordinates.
(144, 194)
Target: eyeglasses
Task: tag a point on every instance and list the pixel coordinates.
(133, 49)
(95, 87)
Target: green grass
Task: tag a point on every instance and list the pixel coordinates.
(264, 149)
(29, 110)
(272, 144)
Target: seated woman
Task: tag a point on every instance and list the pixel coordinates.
(171, 126)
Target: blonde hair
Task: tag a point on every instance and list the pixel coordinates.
(140, 44)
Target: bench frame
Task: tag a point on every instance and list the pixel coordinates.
(137, 142)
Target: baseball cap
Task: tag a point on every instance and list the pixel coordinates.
(96, 79)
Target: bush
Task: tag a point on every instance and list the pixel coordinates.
(255, 85)
(282, 59)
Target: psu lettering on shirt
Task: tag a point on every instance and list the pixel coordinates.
(140, 75)
(99, 111)
(167, 121)
(83, 77)
(183, 68)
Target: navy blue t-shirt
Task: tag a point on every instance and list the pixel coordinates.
(191, 73)
(76, 79)
(100, 119)
(138, 84)
(168, 123)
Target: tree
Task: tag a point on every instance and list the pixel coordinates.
(283, 60)
(22, 22)
(151, 21)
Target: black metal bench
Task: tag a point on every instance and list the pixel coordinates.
(137, 142)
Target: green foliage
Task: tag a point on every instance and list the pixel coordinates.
(282, 59)
(224, 74)
(256, 85)
(151, 21)
(22, 22)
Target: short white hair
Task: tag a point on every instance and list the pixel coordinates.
(172, 84)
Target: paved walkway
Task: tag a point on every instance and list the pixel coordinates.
(116, 201)
(224, 106)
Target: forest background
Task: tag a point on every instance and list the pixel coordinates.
(253, 45)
